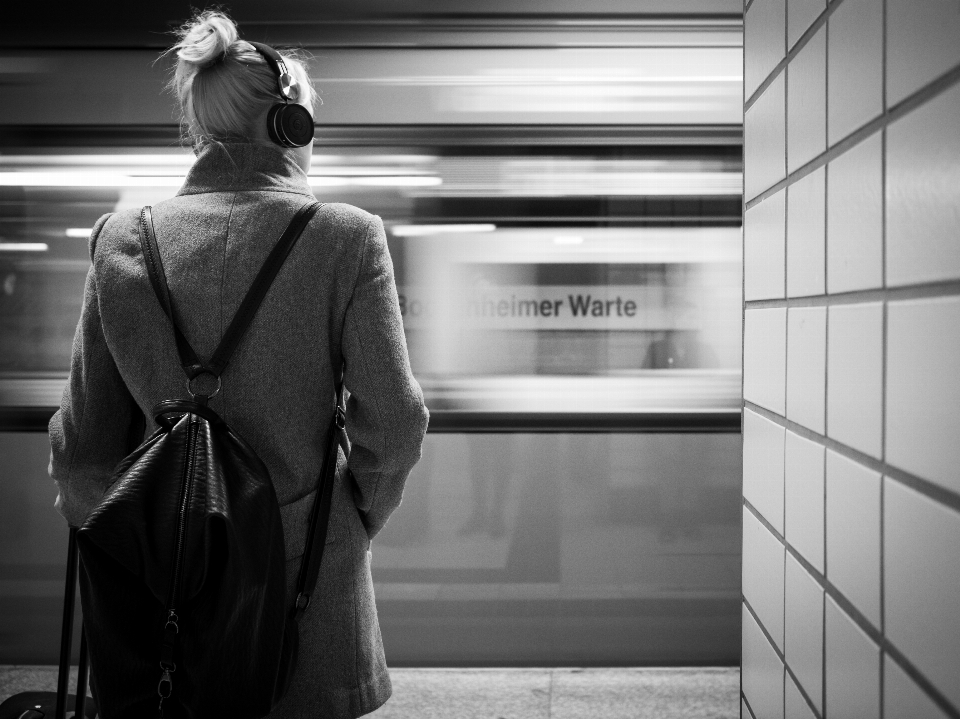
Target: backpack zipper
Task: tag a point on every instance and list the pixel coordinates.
(171, 628)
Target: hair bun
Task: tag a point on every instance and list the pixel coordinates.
(206, 38)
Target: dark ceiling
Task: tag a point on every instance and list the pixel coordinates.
(148, 23)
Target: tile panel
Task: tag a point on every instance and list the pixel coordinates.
(807, 366)
(902, 698)
(803, 498)
(763, 467)
(853, 533)
(854, 374)
(803, 629)
(854, 66)
(763, 557)
(921, 44)
(855, 218)
(806, 210)
(765, 358)
(761, 671)
(852, 668)
(923, 192)
(763, 40)
(923, 389)
(807, 102)
(921, 577)
(764, 246)
(764, 128)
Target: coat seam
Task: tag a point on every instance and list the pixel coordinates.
(376, 399)
(88, 351)
(251, 189)
(356, 629)
(223, 280)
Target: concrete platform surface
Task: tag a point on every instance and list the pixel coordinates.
(641, 693)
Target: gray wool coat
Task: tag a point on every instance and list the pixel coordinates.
(333, 301)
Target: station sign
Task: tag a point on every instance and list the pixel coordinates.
(550, 307)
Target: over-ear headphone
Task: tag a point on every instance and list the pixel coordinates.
(289, 124)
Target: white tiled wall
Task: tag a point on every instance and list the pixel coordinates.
(807, 102)
(765, 358)
(763, 467)
(763, 43)
(764, 246)
(761, 671)
(921, 44)
(855, 66)
(923, 388)
(921, 583)
(803, 629)
(855, 218)
(923, 192)
(794, 705)
(764, 131)
(800, 15)
(806, 209)
(763, 575)
(903, 699)
(807, 366)
(853, 533)
(854, 375)
(852, 358)
(803, 498)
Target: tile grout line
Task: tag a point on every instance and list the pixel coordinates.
(926, 290)
(884, 348)
(823, 602)
(826, 169)
(920, 485)
(743, 320)
(789, 54)
(928, 92)
(782, 657)
(786, 172)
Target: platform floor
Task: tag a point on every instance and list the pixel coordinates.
(670, 693)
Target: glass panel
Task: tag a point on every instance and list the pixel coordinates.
(544, 549)
(507, 550)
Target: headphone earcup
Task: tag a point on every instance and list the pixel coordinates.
(290, 125)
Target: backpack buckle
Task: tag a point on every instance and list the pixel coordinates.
(201, 395)
(300, 606)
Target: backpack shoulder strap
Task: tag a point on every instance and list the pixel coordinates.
(258, 290)
(158, 278)
(192, 365)
(320, 512)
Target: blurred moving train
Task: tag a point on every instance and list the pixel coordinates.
(565, 228)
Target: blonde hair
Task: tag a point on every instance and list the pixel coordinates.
(223, 84)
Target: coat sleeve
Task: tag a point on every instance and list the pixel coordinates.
(89, 433)
(386, 417)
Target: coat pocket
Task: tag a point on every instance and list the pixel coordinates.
(295, 518)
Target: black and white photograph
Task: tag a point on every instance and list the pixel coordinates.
(480, 359)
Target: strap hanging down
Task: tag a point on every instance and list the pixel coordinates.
(320, 513)
(248, 307)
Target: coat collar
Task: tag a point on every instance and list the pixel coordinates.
(244, 167)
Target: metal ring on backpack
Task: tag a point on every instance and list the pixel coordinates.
(198, 394)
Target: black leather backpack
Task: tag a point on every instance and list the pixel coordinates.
(183, 578)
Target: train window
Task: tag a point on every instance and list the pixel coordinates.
(563, 280)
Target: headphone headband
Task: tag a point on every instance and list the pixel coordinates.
(286, 84)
